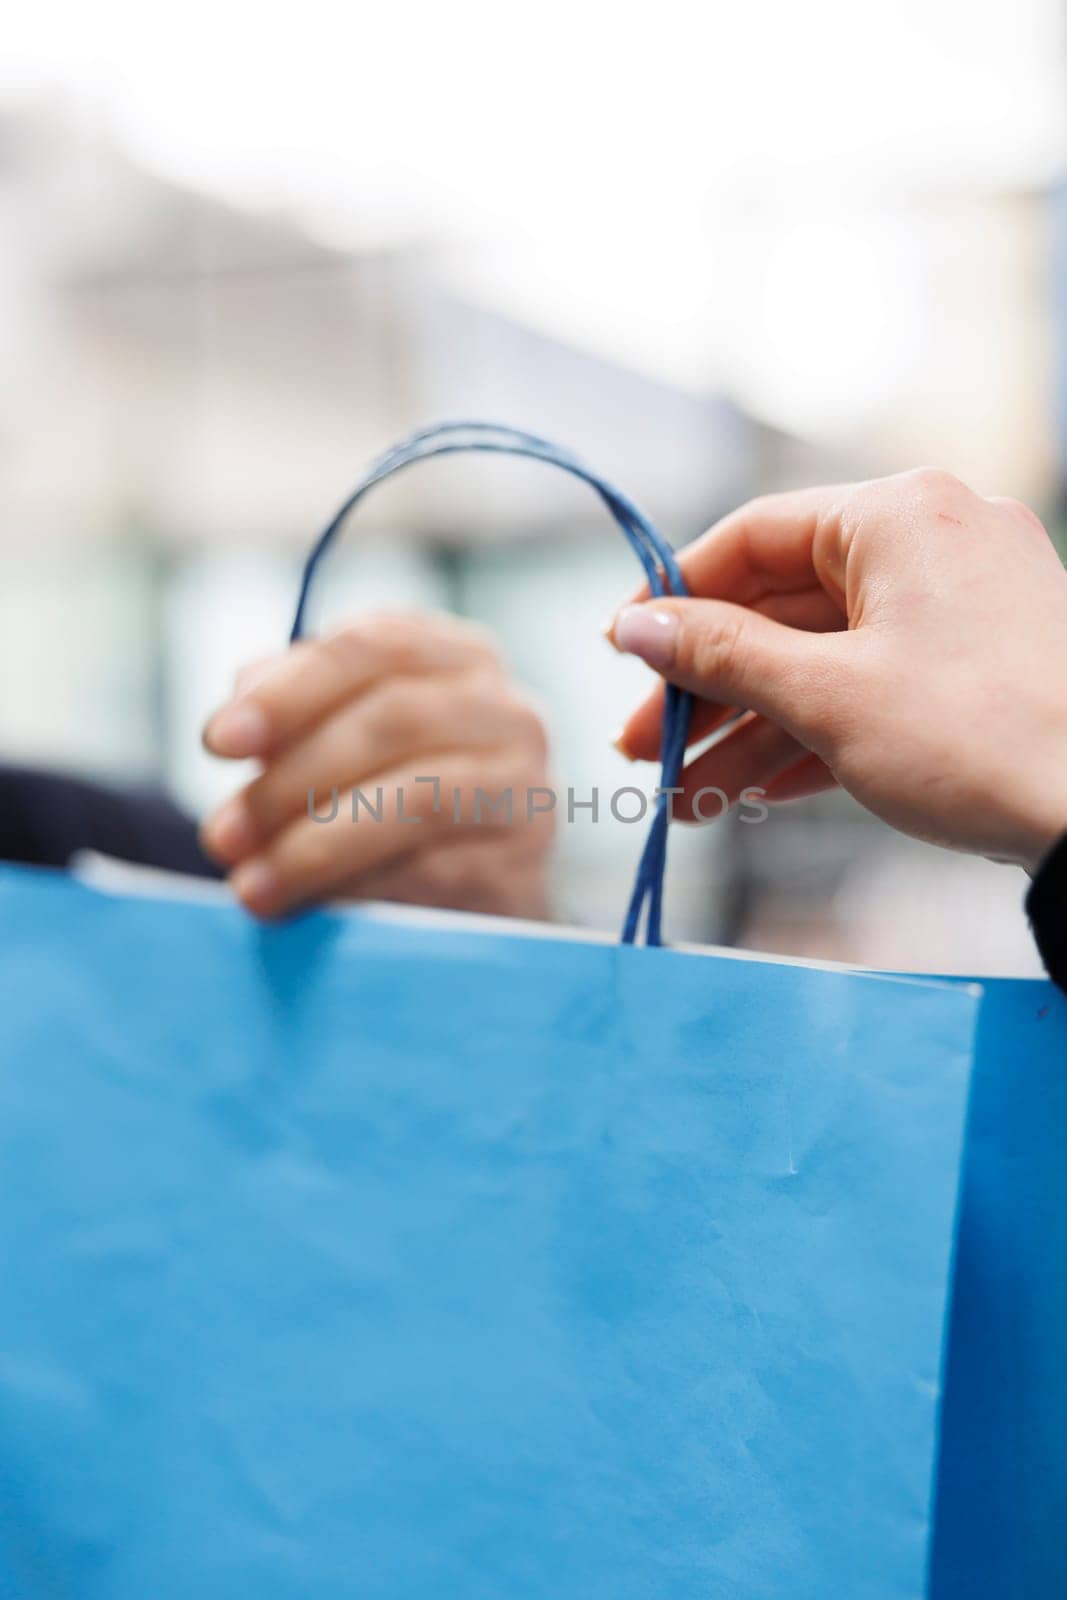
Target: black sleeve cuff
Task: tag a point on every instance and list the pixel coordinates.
(46, 818)
(1046, 906)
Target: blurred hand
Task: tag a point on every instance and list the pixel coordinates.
(904, 638)
(380, 704)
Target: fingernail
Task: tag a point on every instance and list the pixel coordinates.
(607, 628)
(643, 631)
(230, 833)
(257, 886)
(619, 743)
(239, 729)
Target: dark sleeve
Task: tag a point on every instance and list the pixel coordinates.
(46, 818)
(1046, 906)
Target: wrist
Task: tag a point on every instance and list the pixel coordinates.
(1043, 822)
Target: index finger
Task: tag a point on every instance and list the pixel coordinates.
(316, 676)
(763, 548)
(639, 738)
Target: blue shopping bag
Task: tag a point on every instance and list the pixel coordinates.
(1002, 1491)
(349, 1258)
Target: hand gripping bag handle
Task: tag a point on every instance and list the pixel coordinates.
(648, 544)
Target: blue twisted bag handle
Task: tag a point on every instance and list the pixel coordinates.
(647, 543)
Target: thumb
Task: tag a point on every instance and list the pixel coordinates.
(737, 657)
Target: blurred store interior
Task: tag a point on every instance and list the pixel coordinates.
(232, 272)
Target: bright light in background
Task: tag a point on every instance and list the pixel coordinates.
(840, 308)
(475, 105)
(597, 170)
(832, 214)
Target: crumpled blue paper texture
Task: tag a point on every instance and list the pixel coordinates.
(1002, 1490)
(354, 1259)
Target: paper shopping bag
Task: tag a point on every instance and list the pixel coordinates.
(1002, 1491)
(354, 1259)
